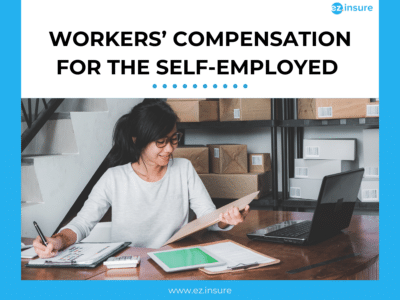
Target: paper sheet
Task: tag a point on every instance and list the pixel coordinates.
(30, 253)
(234, 255)
(80, 253)
(23, 246)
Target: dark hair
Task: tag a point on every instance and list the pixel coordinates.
(148, 121)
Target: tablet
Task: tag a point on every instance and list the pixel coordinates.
(185, 259)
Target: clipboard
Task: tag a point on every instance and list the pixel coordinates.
(241, 267)
(72, 265)
(209, 219)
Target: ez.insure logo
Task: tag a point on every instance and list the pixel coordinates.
(338, 8)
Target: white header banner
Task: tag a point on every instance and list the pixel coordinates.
(200, 49)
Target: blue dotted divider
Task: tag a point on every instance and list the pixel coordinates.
(235, 86)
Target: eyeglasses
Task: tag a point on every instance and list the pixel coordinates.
(174, 140)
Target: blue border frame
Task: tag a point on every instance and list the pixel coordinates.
(14, 288)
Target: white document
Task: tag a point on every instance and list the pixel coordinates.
(235, 256)
(23, 246)
(30, 253)
(80, 254)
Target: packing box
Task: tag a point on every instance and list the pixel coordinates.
(234, 186)
(244, 109)
(197, 154)
(304, 188)
(371, 152)
(341, 149)
(344, 108)
(195, 110)
(317, 169)
(369, 190)
(228, 159)
(259, 162)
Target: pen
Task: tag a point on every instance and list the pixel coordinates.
(72, 262)
(40, 233)
(244, 266)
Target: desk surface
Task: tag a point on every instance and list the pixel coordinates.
(362, 237)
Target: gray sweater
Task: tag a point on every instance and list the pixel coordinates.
(145, 213)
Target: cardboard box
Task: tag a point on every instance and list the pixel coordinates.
(304, 188)
(228, 159)
(369, 190)
(259, 162)
(341, 149)
(244, 109)
(371, 153)
(197, 154)
(233, 186)
(317, 169)
(327, 108)
(195, 110)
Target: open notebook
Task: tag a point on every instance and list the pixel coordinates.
(80, 255)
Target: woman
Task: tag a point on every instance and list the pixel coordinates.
(150, 192)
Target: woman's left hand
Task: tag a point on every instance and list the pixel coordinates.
(233, 216)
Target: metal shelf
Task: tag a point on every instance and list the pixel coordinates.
(255, 204)
(230, 124)
(293, 203)
(286, 111)
(265, 202)
(365, 122)
(307, 203)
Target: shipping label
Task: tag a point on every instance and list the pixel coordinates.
(372, 110)
(301, 172)
(325, 112)
(256, 160)
(312, 151)
(216, 152)
(295, 192)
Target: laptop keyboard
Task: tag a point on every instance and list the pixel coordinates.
(293, 230)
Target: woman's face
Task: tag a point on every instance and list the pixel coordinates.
(159, 156)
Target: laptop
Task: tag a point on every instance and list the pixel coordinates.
(336, 201)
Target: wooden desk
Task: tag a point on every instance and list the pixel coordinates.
(361, 237)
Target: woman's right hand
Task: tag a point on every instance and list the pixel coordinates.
(53, 245)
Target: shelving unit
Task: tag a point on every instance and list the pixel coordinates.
(284, 116)
(273, 124)
(289, 120)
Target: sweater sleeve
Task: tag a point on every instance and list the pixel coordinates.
(93, 210)
(199, 199)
